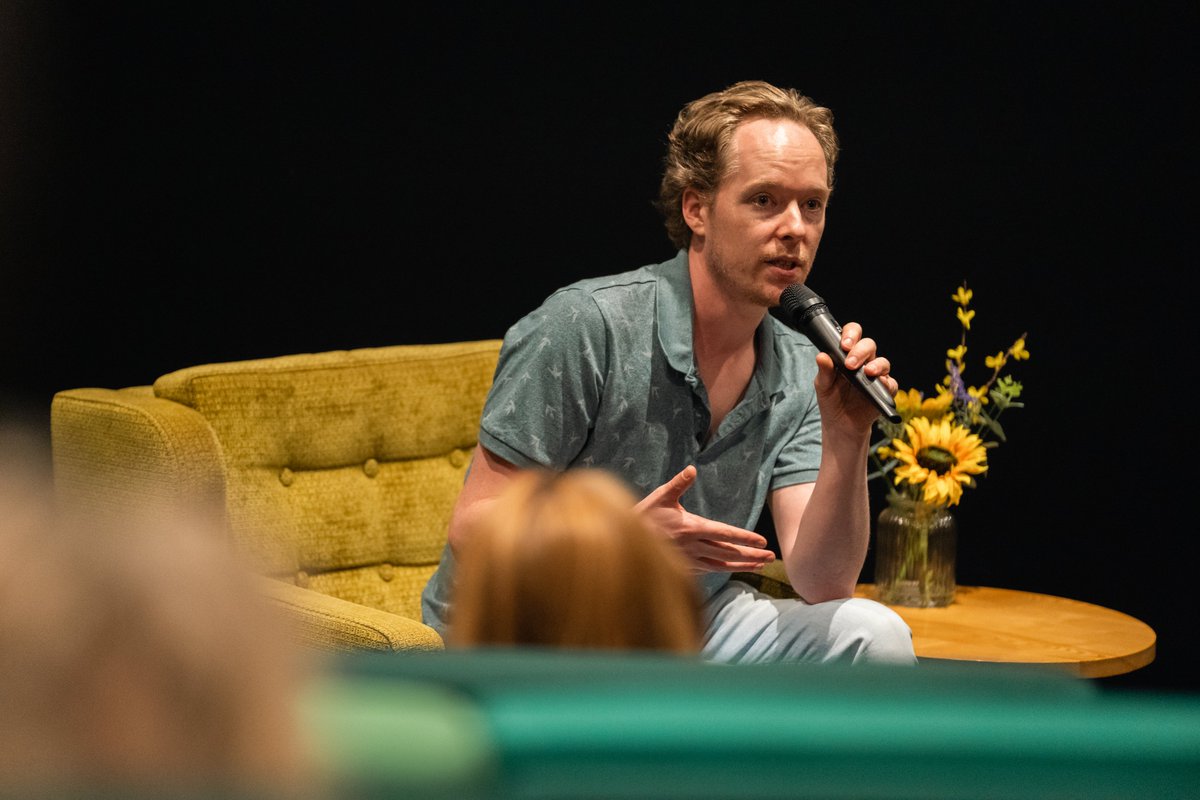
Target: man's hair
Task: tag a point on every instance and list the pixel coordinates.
(564, 560)
(698, 145)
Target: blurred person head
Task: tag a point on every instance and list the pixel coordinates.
(138, 656)
(563, 559)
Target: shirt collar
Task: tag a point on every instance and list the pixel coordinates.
(674, 299)
(674, 311)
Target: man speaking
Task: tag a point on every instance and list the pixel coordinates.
(675, 377)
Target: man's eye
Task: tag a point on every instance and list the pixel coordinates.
(814, 204)
(761, 200)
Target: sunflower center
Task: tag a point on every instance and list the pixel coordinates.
(937, 459)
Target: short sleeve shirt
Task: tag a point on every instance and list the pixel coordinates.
(602, 374)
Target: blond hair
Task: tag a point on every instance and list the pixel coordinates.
(563, 559)
(698, 145)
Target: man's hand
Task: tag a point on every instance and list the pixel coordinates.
(709, 546)
(842, 403)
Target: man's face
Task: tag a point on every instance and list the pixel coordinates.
(759, 234)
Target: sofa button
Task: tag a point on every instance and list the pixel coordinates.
(286, 476)
(457, 458)
(387, 572)
(371, 468)
(302, 579)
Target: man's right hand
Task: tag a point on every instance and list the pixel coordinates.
(709, 546)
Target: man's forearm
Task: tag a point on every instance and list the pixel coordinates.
(830, 545)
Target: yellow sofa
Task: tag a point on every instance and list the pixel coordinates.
(335, 472)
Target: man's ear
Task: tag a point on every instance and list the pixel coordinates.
(695, 210)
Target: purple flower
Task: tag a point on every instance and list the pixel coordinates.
(958, 388)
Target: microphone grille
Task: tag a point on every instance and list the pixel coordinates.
(798, 297)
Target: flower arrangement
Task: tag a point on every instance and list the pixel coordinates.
(941, 442)
(931, 455)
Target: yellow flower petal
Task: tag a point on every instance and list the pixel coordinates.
(965, 317)
(906, 400)
(1018, 350)
(939, 458)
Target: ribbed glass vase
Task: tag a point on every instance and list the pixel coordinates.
(915, 551)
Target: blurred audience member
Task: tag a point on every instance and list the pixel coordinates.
(563, 559)
(137, 658)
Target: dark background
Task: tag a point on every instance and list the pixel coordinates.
(191, 183)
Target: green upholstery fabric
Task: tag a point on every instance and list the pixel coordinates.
(390, 738)
(337, 471)
(565, 724)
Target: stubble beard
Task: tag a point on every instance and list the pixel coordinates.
(740, 284)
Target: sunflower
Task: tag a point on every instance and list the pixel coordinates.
(938, 459)
(911, 404)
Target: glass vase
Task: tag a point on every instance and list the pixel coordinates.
(915, 550)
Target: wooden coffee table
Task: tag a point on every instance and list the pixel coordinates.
(1007, 626)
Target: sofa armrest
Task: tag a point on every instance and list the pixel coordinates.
(330, 623)
(771, 580)
(113, 447)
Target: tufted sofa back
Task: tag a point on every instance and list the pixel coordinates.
(338, 471)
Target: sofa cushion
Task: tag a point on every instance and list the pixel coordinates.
(345, 460)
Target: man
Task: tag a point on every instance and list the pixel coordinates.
(675, 377)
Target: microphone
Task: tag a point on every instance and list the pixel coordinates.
(803, 309)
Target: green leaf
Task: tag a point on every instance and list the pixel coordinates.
(995, 428)
(884, 470)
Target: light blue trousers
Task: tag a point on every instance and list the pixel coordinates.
(745, 626)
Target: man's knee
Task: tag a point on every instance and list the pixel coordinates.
(869, 631)
(745, 626)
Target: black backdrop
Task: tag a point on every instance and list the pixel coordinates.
(188, 183)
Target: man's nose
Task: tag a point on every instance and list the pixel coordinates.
(791, 222)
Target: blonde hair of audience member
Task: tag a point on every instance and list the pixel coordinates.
(562, 559)
(136, 655)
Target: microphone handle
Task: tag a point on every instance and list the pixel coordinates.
(826, 334)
